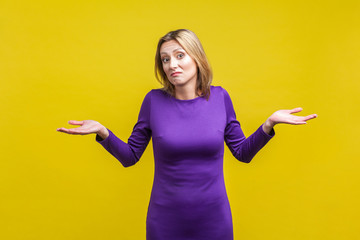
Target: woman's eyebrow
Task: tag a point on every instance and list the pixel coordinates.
(173, 50)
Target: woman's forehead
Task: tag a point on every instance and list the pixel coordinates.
(170, 46)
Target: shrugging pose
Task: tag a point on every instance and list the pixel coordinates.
(188, 120)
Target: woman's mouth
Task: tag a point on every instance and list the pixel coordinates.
(174, 74)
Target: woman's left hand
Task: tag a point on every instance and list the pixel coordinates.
(285, 116)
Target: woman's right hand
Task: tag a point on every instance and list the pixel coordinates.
(87, 127)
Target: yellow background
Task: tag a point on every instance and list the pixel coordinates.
(62, 60)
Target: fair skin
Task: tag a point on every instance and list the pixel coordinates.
(181, 70)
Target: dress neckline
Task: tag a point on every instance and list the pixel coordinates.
(186, 100)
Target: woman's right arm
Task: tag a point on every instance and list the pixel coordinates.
(127, 153)
(87, 127)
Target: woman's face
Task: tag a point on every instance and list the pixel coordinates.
(178, 66)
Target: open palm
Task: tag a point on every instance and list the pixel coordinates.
(285, 116)
(87, 127)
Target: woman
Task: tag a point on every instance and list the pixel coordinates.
(188, 120)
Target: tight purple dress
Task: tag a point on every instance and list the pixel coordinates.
(188, 199)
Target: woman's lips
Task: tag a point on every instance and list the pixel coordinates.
(175, 74)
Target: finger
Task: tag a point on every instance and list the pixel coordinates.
(64, 130)
(310, 117)
(75, 131)
(71, 131)
(297, 122)
(295, 110)
(300, 118)
(74, 122)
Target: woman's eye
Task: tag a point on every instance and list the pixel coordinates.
(164, 60)
(180, 55)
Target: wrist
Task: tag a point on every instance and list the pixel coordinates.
(103, 133)
(268, 126)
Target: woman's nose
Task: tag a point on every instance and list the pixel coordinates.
(173, 63)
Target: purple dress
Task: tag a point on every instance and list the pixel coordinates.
(188, 198)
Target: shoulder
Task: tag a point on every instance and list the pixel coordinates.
(223, 96)
(219, 91)
(156, 95)
(158, 92)
(153, 92)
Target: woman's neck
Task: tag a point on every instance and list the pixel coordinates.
(185, 93)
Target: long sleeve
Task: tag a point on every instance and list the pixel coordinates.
(243, 149)
(129, 153)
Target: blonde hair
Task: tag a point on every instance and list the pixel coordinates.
(191, 44)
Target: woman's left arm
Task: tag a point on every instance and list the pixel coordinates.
(285, 116)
